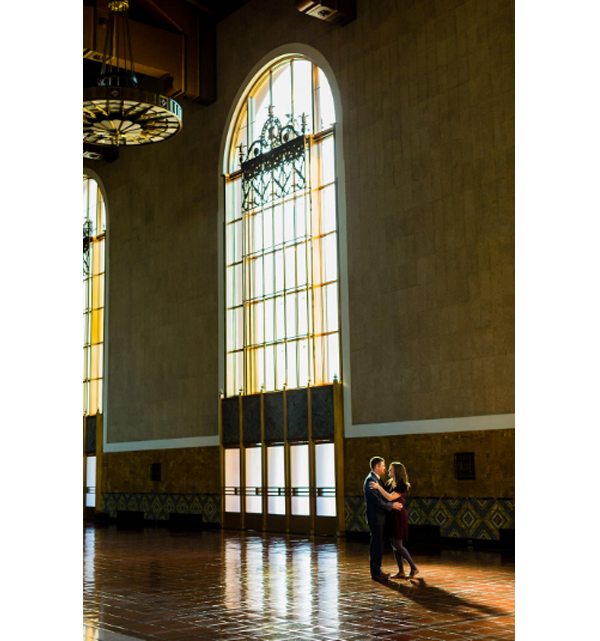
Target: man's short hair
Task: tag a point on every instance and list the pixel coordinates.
(375, 461)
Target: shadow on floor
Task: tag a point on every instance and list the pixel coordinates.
(438, 600)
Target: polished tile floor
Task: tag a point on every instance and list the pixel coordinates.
(226, 585)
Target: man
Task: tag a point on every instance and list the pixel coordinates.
(377, 507)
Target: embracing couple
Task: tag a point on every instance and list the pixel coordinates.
(387, 505)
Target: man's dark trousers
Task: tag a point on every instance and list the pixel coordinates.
(377, 507)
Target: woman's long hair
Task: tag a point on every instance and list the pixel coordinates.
(398, 474)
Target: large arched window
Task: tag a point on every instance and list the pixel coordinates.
(94, 231)
(281, 241)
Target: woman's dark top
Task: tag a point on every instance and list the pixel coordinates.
(399, 518)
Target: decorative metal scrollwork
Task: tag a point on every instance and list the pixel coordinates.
(87, 241)
(275, 164)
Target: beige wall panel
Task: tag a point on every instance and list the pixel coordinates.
(194, 470)
(429, 461)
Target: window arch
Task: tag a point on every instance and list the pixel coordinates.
(282, 326)
(94, 233)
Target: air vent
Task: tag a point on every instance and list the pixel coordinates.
(155, 472)
(464, 465)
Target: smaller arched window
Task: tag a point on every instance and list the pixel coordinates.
(281, 254)
(94, 232)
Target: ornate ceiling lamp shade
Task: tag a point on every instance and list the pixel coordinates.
(117, 112)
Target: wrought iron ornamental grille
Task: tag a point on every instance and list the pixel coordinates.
(276, 164)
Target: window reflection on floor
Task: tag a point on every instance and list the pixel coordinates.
(255, 591)
(301, 580)
(233, 572)
(278, 571)
(327, 597)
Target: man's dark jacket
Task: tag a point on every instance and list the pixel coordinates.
(377, 506)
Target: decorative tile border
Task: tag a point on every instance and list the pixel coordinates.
(160, 506)
(464, 518)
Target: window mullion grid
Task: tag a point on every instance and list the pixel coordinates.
(262, 384)
(309, 267)
(245, 294)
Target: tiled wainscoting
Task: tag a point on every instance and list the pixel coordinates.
(160, 506)
(465, 518)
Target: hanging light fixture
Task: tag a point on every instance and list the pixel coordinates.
(117, 112)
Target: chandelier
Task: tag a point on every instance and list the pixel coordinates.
(117, 112)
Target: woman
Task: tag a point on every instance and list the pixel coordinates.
(398, 484)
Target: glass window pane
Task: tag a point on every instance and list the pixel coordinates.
(280, 365)
(301, 273)
(100, 387)
(232, 479)
(230, 244)
(331, 307)
(302, 314)
(300, 482)
(257, 324)
(239, 327)
(318, 310)
(328, 213)
(256, 227)
(93, 204)
(303, 363)
(90, 477)
(290, 312)
(327, 158)
(234, 200)
(268, 227)
(232, 503)
(94, 397)
(97, 326)
(258, 104)
(86, 294)
(278, 225)
(326, 108)
(280, 318)
(96, 367)
(279, 271)
(333, 357)
(98, 291)
(282, 92)
(289, 224)
(253, 480)
(239, 371)
(269, 320)
(230, 375)
(276, 479)
(269, 276)
(303, 91)
(256, 277)
(230, 286)
(300, 214)
(102, 214)
(86, 329)
(325, 478)
(98, 256)
(292, 373)
(325, 464)
(290, 267)
(329, 245)
(270, 368)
